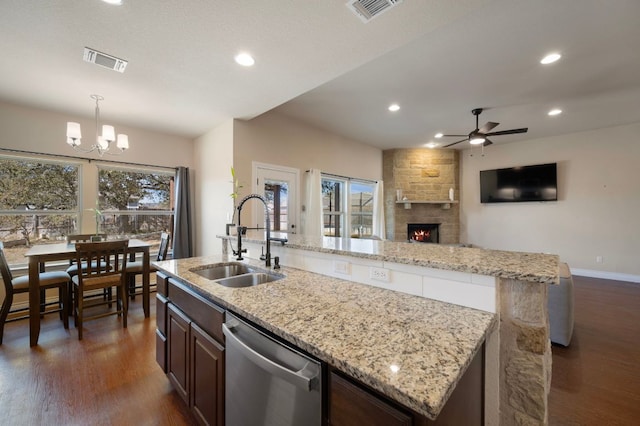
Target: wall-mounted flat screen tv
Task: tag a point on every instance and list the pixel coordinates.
(517, 184)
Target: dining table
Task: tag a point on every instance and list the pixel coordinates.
(39, 254)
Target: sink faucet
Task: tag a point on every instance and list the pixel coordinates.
(267, 223)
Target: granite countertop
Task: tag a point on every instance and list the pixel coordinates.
(533, 267)
(412, 349)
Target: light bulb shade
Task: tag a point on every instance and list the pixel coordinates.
(73, 130)
(103, 143)
(123, 142)
(108, 133)
(476, 140)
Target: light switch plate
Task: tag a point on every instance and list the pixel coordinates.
(341, 267)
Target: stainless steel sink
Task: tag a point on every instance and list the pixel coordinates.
(223, 270)
(249, 280)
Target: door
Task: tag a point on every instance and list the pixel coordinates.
(279, 185)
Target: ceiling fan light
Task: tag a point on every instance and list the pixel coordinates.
(438, 135)
(476, 140)
(550, 58)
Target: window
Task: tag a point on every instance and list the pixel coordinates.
(39, 203)
(135, 203)
(347, 205)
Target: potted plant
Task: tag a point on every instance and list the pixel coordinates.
(234, 195)
(98, 215)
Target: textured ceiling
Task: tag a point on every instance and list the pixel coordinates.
(319, 63)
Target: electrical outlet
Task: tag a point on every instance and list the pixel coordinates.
(379, 274)
(599, 259)
(341, 267)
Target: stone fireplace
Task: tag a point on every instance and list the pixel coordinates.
(422, 178)
(423, 232)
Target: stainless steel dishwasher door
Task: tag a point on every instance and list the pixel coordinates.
(266, 382)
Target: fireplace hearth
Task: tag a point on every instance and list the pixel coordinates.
(423, 232)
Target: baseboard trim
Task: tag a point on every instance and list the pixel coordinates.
(617, 276)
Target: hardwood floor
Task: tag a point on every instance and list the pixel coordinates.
(596, 380)
(111, 376)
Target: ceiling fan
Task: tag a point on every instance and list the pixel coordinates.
(479, 135)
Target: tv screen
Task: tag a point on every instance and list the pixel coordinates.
(517, 184)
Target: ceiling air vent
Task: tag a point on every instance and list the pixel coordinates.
(369, 9)
(104, 60)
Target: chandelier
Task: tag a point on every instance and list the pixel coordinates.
(103, 142)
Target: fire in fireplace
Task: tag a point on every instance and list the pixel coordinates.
(423, 232)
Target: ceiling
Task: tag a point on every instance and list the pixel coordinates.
(318, 63)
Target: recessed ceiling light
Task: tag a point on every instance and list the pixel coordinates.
(550, 58)
(555, 111)
(439, 135)
(115, 2)
(245, 59)
(394, 107)
(431, 145)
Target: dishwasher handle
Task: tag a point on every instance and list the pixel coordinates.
(296, 378)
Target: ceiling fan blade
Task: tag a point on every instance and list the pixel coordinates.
(487, 142)
(487, 127)
(508, 132)
(457, 136)
(462, 140)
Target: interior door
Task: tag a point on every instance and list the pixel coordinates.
(279, 185)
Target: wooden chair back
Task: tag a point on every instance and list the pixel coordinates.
(164, 246)
(101, 263)
(5, 272)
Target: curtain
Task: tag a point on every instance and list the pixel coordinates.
(182, 246)
(378, 212)
(312, 212)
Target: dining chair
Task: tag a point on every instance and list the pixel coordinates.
(101, 265)
(135, 268)
(72, 270)
(48, 280)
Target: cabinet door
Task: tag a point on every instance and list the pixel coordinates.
(161, 332)
(351, 405)
(178, 350)
(207, 377)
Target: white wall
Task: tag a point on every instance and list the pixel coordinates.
(213, 155)
(597, 209)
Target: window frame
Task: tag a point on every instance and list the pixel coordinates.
(346, 213)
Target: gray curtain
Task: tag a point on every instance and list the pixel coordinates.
(182, 218)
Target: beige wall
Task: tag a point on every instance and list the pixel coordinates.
(275, 139)
(597, 209)
(43, 131)
(36, 130)
(213, 155)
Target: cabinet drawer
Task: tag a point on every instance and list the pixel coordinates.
(206, 314)
(161, 283)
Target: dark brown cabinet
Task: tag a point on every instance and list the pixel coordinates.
(194, 351)
(351, 405)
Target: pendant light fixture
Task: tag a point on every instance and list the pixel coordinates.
(103, 142)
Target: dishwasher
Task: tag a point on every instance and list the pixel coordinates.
(267, 382)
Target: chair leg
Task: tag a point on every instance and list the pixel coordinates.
(125, 307)
(79, 313)
(64, 309)
(4, 312)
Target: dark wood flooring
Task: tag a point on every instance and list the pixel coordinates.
(596, 380)
(111, 377)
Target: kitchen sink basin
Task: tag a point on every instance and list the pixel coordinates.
(223, 270)
(248, 280)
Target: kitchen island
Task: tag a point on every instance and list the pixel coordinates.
(514, 285)
(410, 349)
